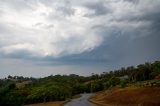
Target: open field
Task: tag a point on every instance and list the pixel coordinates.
(130, 96)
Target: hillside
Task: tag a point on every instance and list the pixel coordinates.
(129, 96)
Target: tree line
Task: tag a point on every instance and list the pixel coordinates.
(61, 87)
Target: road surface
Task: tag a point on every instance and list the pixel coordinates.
(82, 101)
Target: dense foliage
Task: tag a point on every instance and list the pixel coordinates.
(17, 90)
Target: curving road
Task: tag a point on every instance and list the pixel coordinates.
(82, 101)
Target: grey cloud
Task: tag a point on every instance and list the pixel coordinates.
(43, 25)
(49, 3)
(50, 26)
(139, 23)
(99, 8)
(132, 1)
(38, 24)
(154, 18)
(65, 7)
(21, 54)
(66, 10)
(142, 13)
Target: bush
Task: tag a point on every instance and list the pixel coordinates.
(123, 83)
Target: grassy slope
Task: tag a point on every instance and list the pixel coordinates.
(130, 96)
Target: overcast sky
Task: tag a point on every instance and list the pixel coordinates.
(43, 37)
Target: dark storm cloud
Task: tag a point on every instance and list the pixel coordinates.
(126, 46)
(154, 18)
(118, 52)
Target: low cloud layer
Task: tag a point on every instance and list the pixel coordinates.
(120, 32)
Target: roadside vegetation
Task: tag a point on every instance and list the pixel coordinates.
(17, 90)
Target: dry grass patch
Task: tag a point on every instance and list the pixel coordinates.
(57, 103)
(20, 84)
(130, 96)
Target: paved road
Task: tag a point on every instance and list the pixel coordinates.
(82, 101)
